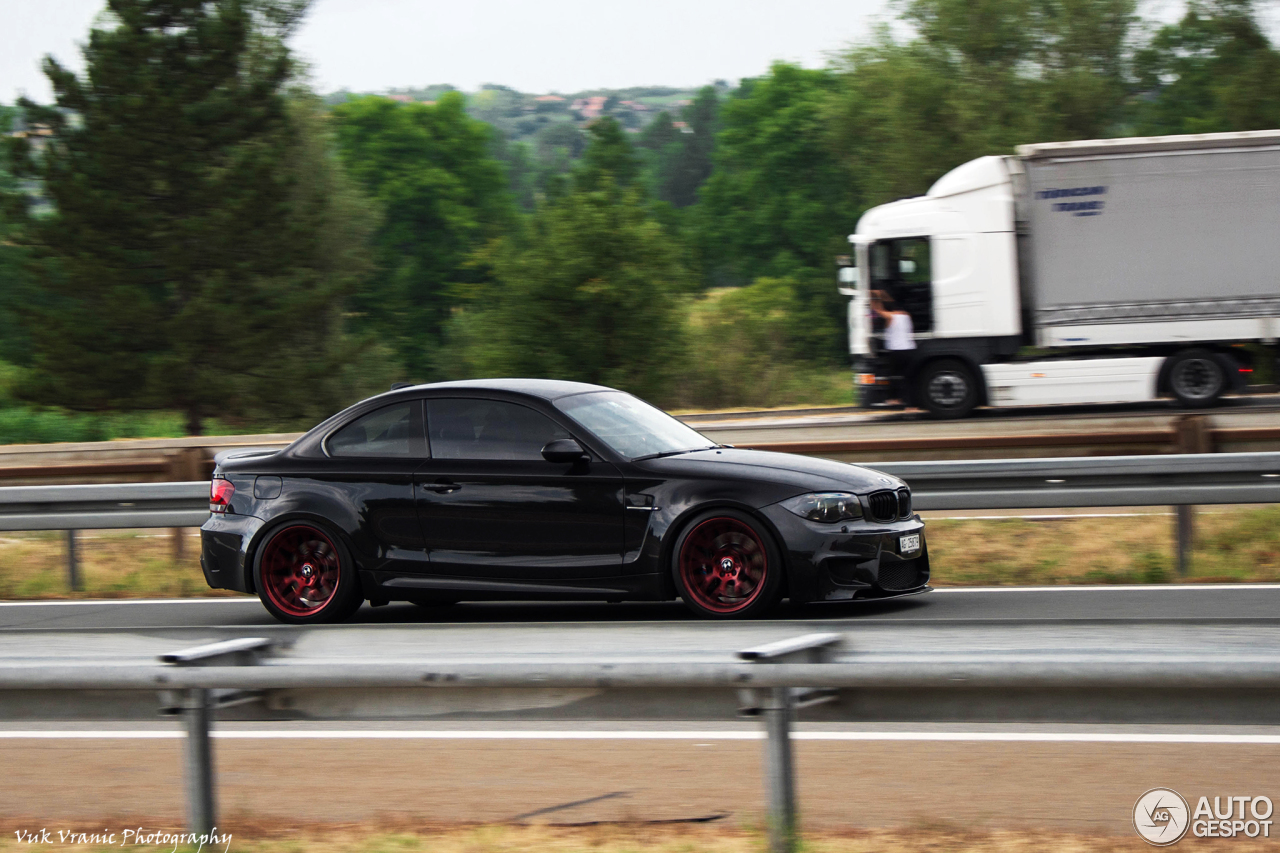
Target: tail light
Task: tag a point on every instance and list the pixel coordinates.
(220, 492)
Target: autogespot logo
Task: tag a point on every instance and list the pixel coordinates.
(1161, 817)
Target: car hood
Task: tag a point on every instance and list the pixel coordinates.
(803, 473)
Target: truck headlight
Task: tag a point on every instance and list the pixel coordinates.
(827, 507)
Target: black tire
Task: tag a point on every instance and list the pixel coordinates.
(290, 565)
(732, 552)
(947, 388)
(1197, 378)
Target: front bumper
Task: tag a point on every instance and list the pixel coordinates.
(224, 548)
(860, 559)
(872, 382)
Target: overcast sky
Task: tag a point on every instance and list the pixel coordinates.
(531, 45)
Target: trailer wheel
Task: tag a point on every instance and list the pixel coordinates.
(947, 388)
(1197, 378)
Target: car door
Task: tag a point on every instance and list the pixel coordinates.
(368, 469)
(491, 507)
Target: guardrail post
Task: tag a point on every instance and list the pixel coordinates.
(780, 771)
(197, 706)
(1191, 435)
(184, 466)
(199, 767)
(778, 708)
(73, 563)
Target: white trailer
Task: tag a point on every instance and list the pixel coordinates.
(1115, 270)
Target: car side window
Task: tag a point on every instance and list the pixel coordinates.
(488, 429)
(392, 431)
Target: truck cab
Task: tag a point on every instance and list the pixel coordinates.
(949, 259)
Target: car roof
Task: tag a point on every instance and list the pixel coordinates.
(548, 389)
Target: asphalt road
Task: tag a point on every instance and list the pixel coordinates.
(1079, 787)
(1189, 604)
(548, 766)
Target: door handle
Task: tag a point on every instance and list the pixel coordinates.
(443, 487)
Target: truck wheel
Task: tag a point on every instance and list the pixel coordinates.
(1196, 378)
(948, 389)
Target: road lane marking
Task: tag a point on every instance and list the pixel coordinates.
(602, 734)
(1203, 587)
(99, 602)
(1109, 588)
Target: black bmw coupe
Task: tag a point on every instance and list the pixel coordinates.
(537, 489)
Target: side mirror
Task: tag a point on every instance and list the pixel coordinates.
(563, 450)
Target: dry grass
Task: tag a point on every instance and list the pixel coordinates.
(112, 564)
(635, 838)
(1234, 544)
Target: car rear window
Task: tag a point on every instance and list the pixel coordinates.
(392, 431)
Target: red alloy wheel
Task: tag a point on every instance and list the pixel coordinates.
(300, 570)
(723, 565)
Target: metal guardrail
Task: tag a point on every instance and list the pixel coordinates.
(1186, 479)
(115, 506)
(771, 681)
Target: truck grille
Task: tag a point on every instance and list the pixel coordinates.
(899, 576)
(904, 503)
(883, 506)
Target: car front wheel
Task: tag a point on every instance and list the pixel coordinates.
(304, 575)
(726, 566)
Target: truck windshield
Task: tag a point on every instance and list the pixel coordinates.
(903, 269)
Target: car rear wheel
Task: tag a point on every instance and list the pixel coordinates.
(304, 575)
(726, 566)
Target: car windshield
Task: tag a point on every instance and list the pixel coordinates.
(631, 427)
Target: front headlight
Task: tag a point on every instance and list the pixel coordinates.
(826, 506)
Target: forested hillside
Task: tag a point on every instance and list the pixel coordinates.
(677, 243)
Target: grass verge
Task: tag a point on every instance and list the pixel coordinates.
(1235, 544)
(635, 838)
(112, 564)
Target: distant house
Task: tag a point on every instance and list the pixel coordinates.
(682, 126)
(37, 136)
(404, 99)
(546, 99)
(592, 107)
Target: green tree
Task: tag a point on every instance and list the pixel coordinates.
(977, 78)
(14, 345)
(442, 193)
(1215, 70)
(591, 293)
(779, 202)
(195, 258)
(686, 159)
(778, 197)
(609, 156)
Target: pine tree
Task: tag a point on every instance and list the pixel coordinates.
(192, 260)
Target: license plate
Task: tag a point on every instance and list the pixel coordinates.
(909, 544)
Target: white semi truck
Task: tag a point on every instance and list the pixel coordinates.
(1115, 270)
